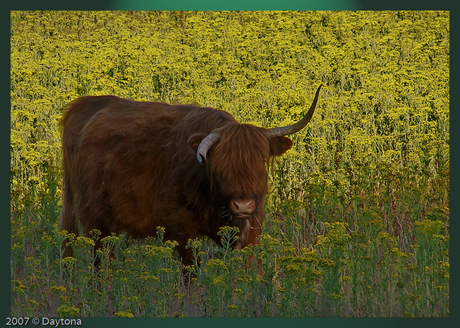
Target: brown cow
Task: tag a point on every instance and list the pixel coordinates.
(133, 166)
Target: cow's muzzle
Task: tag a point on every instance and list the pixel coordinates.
(243, 207)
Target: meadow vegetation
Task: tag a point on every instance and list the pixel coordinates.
(357, 220)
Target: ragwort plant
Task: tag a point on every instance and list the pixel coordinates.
(358, 208)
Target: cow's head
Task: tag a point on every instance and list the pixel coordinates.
(236, 159)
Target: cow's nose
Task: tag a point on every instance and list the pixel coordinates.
(243, 206)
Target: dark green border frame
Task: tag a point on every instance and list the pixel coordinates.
(231, 5)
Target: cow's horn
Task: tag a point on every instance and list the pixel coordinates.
(205, 144)
(285, 130)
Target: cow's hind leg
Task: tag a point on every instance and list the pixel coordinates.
(68, 221)
(99, 250)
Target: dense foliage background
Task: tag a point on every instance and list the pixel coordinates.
(357, 219)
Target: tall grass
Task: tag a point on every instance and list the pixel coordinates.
(357, 220)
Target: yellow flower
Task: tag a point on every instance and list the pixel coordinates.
(123, 314)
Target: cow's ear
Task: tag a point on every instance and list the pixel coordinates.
(195, 140)
(279, 145)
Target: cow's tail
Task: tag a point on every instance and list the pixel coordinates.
(68, 220)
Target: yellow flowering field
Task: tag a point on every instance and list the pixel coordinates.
(357, 219)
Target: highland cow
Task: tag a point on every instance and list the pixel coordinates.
(133, 166)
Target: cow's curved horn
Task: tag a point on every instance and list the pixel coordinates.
(285, 130)
(205, 144)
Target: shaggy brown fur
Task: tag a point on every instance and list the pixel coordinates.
(131, 166)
